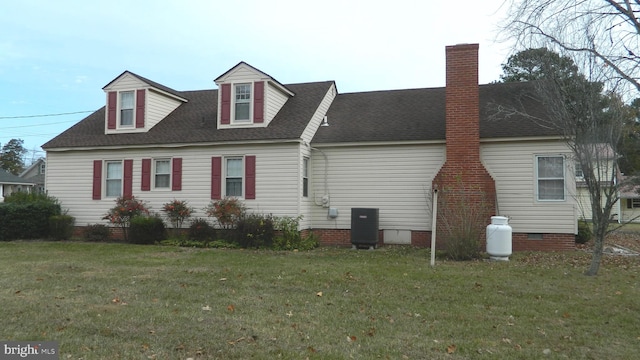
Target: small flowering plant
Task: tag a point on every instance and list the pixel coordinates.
(125, 209)
(177, 212)
(227, 211)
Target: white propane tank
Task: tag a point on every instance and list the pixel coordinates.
(499, 238)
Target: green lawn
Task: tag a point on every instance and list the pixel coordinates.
(116, 301)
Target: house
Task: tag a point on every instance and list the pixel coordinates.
(10, 183)
(35, 174)
(629, 204)
(305, 149)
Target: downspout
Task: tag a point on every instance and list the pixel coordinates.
(433, 226)
(326, 198)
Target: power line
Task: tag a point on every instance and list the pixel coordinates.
(34, 125)
(45, 115)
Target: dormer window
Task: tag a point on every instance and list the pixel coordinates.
(126, 108)
(247, 97)
(242, 102)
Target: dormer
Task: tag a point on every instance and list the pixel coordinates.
(247, 97)
(136, 104)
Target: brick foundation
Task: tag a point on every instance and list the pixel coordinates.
(422, 239)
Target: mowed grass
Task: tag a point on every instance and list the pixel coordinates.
(115, 301)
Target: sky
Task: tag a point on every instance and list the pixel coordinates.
(56, 56)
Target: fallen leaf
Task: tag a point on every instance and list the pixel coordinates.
(289, 314)
(223, 279)
(312, 350)
(206, 308)
(351, 338)
(451, 349)
(231, 308)
(319, 294)
(566, 315)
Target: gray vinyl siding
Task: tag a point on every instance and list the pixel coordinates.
(274, 101)
(396, 179)
(512, 165)
(276, 175)
(157, 107)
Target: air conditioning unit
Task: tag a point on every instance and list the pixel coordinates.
(364, 227)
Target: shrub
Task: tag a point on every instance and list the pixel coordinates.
(61, 227)
(177, 212)
(146, 230)
(463, 222)
(289, 237)
(255, 231)
(584, 232)
(96, 232)
(200, 230)
(127, 207)
(26, 220)
(21, 197)
(227, 211)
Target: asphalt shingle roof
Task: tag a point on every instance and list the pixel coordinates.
(8, 178)
(196, 120)
(419, 114)
(395, 115)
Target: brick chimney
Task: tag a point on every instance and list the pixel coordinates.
(463, 181)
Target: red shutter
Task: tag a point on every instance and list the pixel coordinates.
(225, 103)
(216, 178)
(258, 102)
(140, 95)
(176, 174)
(145, 183)
(97, 179)
(127, 179)
(112, 109)
(250, 177)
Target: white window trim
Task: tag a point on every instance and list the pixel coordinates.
(154, 174)
(242, 176)
(133, 110)
(233, 103)
(537, 179)
(305, 175)
(106, 178)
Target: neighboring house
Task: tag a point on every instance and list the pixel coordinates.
(35, 174)
(10, 183)
(603, 158)
(304, 149)
(630, 200)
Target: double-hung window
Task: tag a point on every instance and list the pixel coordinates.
(550, 172)
(305, 177)
(114, 178)
(233, 177)
(242, 102)
(126, 108)
(162, 174)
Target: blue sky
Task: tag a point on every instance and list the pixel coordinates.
(55, 56)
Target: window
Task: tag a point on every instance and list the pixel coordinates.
(550, 177)
(43, 167)
(305, 177)
(243, 102)
(162, 177)
(114, 178)
(233, 177)
(579, 172)
(633, 203)
(126, 108)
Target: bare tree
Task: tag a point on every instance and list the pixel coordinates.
(590, 118)
(605, 30)
(603, 39)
